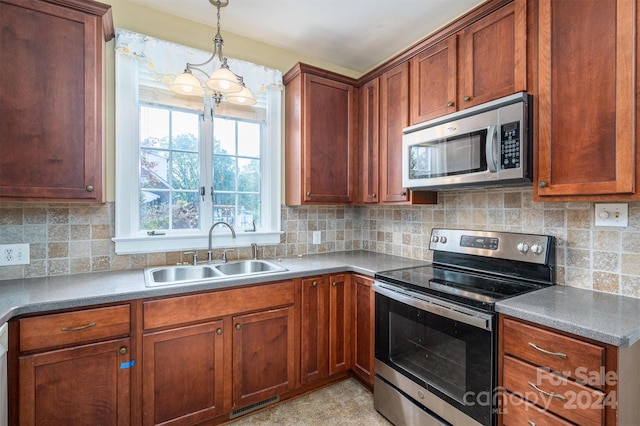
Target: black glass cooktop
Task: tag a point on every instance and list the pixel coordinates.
(471, 289)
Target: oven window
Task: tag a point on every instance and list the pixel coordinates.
(451, 359)
(436, 356)
(447, 157)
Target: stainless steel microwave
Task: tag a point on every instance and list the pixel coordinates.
(486, 145)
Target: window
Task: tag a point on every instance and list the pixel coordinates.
(184, 164)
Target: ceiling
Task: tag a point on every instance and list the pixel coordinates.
(355, 34)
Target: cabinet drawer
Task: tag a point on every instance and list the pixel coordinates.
(49, 331)
(202, 307)
(570, 357)
(517, 412)
(573, 401)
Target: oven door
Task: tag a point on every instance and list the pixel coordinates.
(446, 349)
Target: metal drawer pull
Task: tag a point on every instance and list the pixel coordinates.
(82, 327)
(546, 352)
(549, 394)
(530, 423)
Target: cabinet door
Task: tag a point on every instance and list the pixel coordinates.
(586, 104)
(329, 141)
(339, 323)
(433, 81)
(315, 329)
(363, 337)
(183, 374)
(83, 385)
(263, 355)
(394, 117)
(369, 141)
(50, 101)
(493, 55)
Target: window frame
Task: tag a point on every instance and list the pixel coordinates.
(128, 240)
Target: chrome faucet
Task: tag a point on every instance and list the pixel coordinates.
(233, 234)
(254, 251)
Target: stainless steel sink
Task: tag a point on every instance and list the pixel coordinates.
(166, 275)
(248, 267)
(170, 275)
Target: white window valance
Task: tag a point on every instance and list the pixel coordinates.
(160, 61)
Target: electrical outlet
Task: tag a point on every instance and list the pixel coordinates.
(14, 254)
(317, 236)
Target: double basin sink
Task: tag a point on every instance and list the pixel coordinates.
(182, 274)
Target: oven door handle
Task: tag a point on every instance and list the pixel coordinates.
(425, 303)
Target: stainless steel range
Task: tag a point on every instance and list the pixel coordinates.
(436, 333)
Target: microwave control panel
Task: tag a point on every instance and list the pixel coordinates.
(510, 145)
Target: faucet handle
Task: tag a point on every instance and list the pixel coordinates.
(195, 256)
(224, 254)
(254, 251)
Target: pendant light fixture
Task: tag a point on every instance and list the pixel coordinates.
(223, 83)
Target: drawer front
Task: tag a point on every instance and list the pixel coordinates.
(577, 403)
(570, 357)
(518, 412)
(202, 307)
(68, 328)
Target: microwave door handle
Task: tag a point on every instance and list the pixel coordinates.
(492, 149)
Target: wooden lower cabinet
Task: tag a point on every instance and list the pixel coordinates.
(183, 374)
(325, 326)
(263, 355)
(549, 377)
(363, 310)
(205, 355)
(192, 358)
(82, 385)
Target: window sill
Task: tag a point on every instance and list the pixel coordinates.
(168, 243)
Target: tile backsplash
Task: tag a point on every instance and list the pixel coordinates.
(75, 238)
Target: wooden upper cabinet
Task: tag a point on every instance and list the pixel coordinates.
(51, 85)
(370, 141)
(320, 137)
(433, 81)
(484, 61)
(384, 113)
(587, 69)
(394, 110)
(493, 56)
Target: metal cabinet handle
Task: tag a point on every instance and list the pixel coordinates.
(467, 98)
(123, 351)
(219, 331)
(403, 193)
(373, 195)
(549, 394)
(82, 327)
(546, 352)
(308, 193)
(530, 423)
(238, 326)
(542, 184)
(450, 104)
(314, 284)
(335, 284)
(89, 188)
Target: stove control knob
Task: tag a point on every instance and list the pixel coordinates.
(523, 248)
(435, 239)
(537, 248)
(443, 240)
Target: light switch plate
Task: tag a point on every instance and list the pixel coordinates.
(612, 214)
(316, 237)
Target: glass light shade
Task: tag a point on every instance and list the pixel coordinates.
(243, 97)
(187, 84)
(224, 81)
